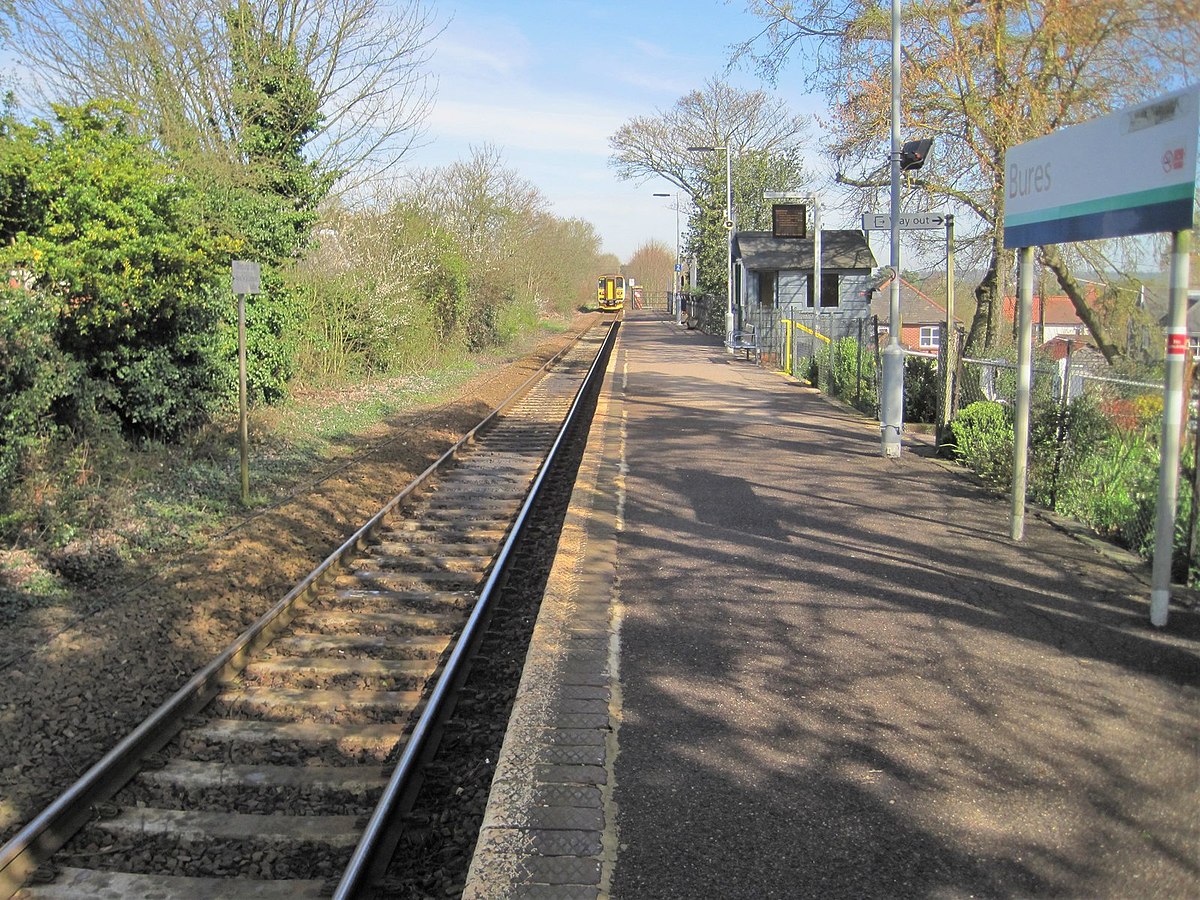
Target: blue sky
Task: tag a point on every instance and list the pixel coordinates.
(548, 81)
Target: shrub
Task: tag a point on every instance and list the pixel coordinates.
(111, 244)
(983, 438)
(920, 389)
(36, 378)
(851, 372)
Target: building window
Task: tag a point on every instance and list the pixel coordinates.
(931, 337)
(829, 290)
(767, 287)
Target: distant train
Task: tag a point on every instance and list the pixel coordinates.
(610, 292)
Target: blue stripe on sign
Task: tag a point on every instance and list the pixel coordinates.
(1172, 215)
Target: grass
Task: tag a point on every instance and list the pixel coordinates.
(129, 501)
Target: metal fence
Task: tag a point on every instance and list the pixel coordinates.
(834, 352)
(1095, 433)
(1093, 448)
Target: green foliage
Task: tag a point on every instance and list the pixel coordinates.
(1100, 473)
(920, 389)
(278, 113)
(1114, 488)
(106, 231)
(443, 286)
(841, 362)
(36, 378)
(983, 440)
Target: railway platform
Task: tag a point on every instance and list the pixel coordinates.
(772, 663)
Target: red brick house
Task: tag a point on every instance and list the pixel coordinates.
(922, 318)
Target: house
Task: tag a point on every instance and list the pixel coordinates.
(1053, 316)
(775, 275)
(922, 319)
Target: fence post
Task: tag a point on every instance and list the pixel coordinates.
(1061, 438)
(858, 368)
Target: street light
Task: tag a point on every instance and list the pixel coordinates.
(891, 401)
(677, 274)
(729, 235)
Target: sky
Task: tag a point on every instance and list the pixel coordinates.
(549, 81)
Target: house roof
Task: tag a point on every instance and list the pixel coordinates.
(916, 307)
(1059, 309)
(840, 249)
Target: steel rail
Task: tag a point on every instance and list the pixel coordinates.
(43, 835)
(374, 849)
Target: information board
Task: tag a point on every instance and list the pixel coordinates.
(789, 220)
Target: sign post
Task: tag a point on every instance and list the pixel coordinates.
(1060, 188)
(247, 279)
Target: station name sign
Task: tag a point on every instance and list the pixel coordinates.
(1131, 172)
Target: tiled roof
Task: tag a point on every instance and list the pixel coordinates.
(840, 249)
(916, 307)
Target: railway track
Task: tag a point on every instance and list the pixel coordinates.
(282, 768)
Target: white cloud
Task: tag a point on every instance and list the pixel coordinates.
(540, 124)
(479, 48)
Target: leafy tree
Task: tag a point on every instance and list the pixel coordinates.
(265, 204)
(979, 77)
(104, 231)
(653, 265)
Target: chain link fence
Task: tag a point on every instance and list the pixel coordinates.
(1094, 432)
(1093, 446)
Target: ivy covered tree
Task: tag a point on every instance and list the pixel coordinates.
(265, 200)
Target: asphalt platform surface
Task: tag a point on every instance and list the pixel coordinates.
(832, 674)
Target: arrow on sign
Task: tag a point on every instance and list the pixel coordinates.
(908, 221)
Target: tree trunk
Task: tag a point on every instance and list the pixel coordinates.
(1087, 315)
(989, 299)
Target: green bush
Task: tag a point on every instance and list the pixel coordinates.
(983, 439)
(36, 379)
(850, 372)
(920, 389)
(105, 229)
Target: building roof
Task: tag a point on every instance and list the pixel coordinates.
(1060, 311)
(916, 307)
(841, 249)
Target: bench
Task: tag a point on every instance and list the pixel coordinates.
(745, 339)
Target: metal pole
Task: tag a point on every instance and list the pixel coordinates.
(677, 276)
(1024, 388)
(816, 253)
(892, 402)
(947, 341)
(1173, 403)
(729, 322)
(244, 423)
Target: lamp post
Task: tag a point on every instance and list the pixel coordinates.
(729, 235)
(677, 272)
(891, 406)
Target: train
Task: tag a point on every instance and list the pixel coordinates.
(610, 292)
